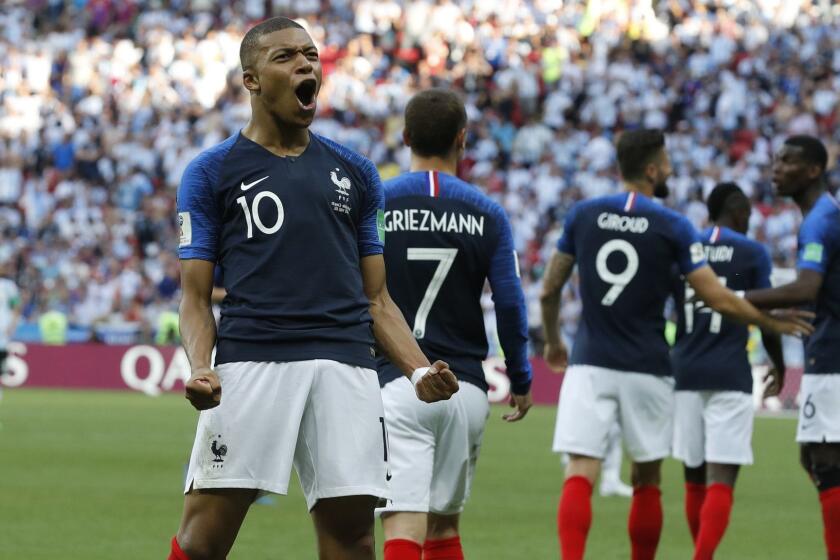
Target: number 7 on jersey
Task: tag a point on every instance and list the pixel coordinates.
(445, 258)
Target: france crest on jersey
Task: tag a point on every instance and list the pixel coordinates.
(625, 246)
(287, 234)
(710, 353)
(819, 250)
(445, 238)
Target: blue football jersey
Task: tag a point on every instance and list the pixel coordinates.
(711, 352)
(288, 234)
(625, 246)
(445, 238)
(819, 250)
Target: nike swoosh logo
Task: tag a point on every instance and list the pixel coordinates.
(247, 186)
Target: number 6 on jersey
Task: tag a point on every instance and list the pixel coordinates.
(445, 258)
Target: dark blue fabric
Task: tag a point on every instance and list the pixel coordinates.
(479, 230)
(622, 324)
(711, 352)
(287, 234)
(819, 250)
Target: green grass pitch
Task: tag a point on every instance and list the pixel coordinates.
(97, 475)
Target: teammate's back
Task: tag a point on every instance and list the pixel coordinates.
(445, 238)
(625, 246)
(710, 352)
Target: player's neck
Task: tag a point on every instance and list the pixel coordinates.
(807, 198)
(446, 165)
(641, 187)
(275, 137)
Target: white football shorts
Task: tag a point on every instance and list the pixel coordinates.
(713, 427)
(819, 409)
(323, 417)
(593, 398)
(432, 448)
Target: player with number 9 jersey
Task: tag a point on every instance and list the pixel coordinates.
(625, 246)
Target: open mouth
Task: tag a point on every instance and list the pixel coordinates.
(305, 92)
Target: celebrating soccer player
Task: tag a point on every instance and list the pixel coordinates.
(798, 172)
(625, 246)
(713, 415)
(294, 222)
(445, 238)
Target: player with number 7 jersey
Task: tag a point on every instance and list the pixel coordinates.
(445, 239)
(625, 246)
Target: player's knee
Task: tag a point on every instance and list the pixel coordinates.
(647, 474)
(198, 547)
(442, 527)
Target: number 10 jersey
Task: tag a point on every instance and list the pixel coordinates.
(625, 246)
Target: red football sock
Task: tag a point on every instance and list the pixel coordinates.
(176, 553)
(694, 494)
(645, 522)
(830, 500)
(443, 549)
(714, 518)
(402, 549)
(574, 517)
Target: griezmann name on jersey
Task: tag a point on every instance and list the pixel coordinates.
(819, 250)
(288, 234)
(710, 353)
(444, 239)
(625, 246)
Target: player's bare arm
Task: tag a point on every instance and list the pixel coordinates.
(725, 301)
(395, 340)
(198, 332)
(802, 291)
(557, 274)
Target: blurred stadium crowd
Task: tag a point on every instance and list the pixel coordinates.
(103, 104)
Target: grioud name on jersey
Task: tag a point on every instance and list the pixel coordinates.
(415, 219)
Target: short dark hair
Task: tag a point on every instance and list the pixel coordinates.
(433, 118)
(636, 149)
(724, 198)
(813, 150)
(251, 42)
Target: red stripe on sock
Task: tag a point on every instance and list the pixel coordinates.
(443, 549)
(714, 519)
(830, 501)
(175, 552)
(574, 517)
(402, 549)
(694, 495)
(645, 522)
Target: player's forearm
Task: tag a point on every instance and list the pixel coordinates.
(198, 331)
(512, 326)
(550, 309)
(789, 295)
(393, 336)
(737, 309)
(773, 345)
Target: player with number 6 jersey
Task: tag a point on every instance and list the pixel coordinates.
(799, 172)
(445, 240)
(625, 246)
(713, 415)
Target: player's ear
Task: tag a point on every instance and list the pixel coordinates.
(406, 138)
(250, 81)
(461, 140)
